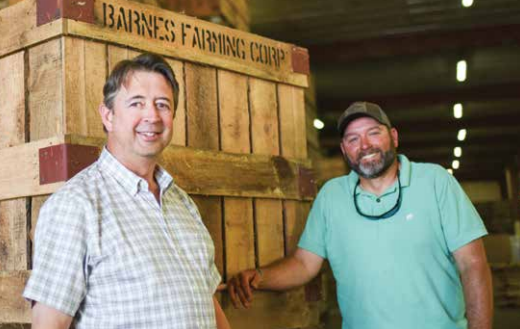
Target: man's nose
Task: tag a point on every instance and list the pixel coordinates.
(151, 113)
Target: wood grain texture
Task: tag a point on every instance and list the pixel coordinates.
(240, 244)
(45, 90)
(13, 307)
(210, 209)
(13, 213)
(179, 122)
(85, 71)
(233, 112)
(202, 107)
(12, 92)
(235, 137)
(292, 121)
(263, 104)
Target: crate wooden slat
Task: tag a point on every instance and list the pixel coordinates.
(238, 143)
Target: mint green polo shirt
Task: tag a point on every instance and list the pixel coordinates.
(396, 273)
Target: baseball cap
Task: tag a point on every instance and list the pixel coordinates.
(362, 109)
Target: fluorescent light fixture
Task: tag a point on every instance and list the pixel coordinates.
(462, 67)
(455, 164)
(457, 151)
(450, 171)
(457, 110)
(318, 124)
(467, 3)
(462, 134)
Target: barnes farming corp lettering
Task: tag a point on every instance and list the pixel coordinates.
(187, 34)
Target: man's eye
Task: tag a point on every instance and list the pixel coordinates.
(136, 104)
(352, 140)
(163, 106)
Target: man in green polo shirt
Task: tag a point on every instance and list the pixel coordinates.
(402, 239)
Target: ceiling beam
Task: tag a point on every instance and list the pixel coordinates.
(415, 44)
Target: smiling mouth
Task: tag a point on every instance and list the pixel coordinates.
(369, 156)
(148, 134)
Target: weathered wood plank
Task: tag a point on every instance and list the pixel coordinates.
(45, 90)
(13, 235)
(294, 144)
(235, 137)
(240, 244)
(233, 112)
(269, 228)
(19, 172)
(202, 107)
(12, 92)
(264, 116)
(18, 26)
(197, 171)
(292, 120)
(187, 38)
(210, 208)
(13, 307)
(273, 310)
(13, 213)
(84, 73)
(295, 218)
(265, 140)
(179, 122)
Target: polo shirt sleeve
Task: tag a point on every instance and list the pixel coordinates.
(460, 220)
(315, 232)
(57, 277)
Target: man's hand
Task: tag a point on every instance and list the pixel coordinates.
(241, 285)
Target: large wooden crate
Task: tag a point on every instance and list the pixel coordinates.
(239, 145)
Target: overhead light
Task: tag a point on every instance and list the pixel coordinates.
(450, 171)
(461, 134)
(457, 151)
(462, 67)
(457, 110)
(467, 3)
(455, 164)
(318, 124)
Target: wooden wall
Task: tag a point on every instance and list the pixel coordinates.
(51, 83)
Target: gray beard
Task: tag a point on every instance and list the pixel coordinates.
(373, 169)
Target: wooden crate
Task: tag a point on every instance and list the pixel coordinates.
(239, 144)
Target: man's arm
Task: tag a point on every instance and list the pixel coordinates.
(286, 273)
(222, 322)
(45, 317)
(476, 281)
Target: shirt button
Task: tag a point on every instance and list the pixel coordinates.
(378, 200)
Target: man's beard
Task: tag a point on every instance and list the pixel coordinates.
(376, 168)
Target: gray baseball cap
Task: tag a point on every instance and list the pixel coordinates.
(362, 109)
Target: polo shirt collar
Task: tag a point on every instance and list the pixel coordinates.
(110, 166)
(404, 175)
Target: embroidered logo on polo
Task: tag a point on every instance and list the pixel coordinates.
(409, 217)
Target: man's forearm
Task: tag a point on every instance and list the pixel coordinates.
(290, 272)
(478, 294)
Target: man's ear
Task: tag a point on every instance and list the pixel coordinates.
(106, 116)
(395, 137)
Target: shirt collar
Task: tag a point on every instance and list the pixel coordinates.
(110, 166)
(404, 175)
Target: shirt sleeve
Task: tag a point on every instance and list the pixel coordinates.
(460, 220)
(58, 278)
(315, 232)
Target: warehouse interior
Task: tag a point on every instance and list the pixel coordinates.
(445, 71)
(406, 56)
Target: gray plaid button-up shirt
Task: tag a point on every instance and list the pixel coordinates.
(109, 254)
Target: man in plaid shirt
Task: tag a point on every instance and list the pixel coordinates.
(120, 245)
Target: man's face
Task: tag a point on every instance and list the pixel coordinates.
(140, 124)
(369, 147)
